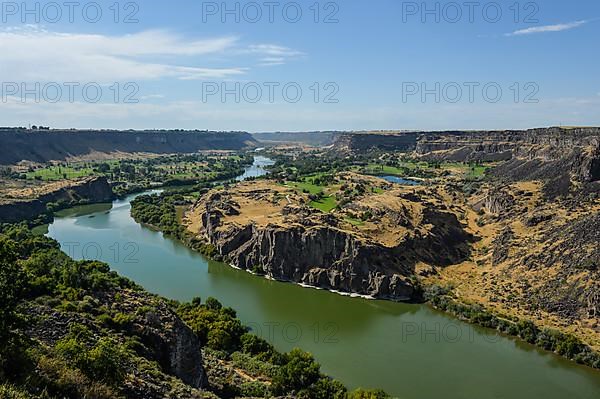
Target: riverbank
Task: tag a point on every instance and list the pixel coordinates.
(92, 333)
(361, 342)
(554, 340)
(560, 343)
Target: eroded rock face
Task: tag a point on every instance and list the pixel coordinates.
(173, 344)
(307, 246)
(359, 142)
(541, 150)
(166, 340)
(320, 256)
(535, 154)
(89, 190)
(498, 201)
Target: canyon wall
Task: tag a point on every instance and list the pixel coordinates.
(89, 190)
(543, 153)
(46, 145)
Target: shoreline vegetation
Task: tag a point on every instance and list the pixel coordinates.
(105, 346)
(148, 208)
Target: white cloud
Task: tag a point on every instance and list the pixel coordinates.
(273, 54)
(33, 54)
(272, 61)
(274, 50)
(547, 28)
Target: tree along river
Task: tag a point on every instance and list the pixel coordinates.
(411, 351)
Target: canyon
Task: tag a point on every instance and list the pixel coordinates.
(57, 145)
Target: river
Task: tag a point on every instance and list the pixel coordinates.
(411, 351)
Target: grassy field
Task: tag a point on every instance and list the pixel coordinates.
(327, 204)
(52, 173)
(477, 171)
(469, 171)
(405, 168)
(376, 169)
(306, 187)
(400, 170)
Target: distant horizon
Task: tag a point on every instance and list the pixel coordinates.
(45, 128)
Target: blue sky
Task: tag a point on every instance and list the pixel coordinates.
(525, 64)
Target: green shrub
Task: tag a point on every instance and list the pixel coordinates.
(121, 319)
(254, 389)
(326, 388)
(300, 372)
(254, 345)
(12, 288)
(253, 365)
(106, 361)
(213, 304)
(60, 380)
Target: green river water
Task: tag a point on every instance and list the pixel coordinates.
(411, 351)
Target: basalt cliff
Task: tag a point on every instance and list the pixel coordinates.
(27, 203)
(268, 229)
(529, 154)
(58, 145)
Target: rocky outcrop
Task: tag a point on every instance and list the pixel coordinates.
(89, 190)
(308, 247)
(363, 141)
(546, 144)
(164, 338)
(498, 201)
(501, 246)
(171, 342)
(571, 255)
(21, 210)
(46, 145)
(536, 154)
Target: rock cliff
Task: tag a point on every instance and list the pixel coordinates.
(300, 244)
(28, 205)
(45, 145)
(535, 154)
(383, 141)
